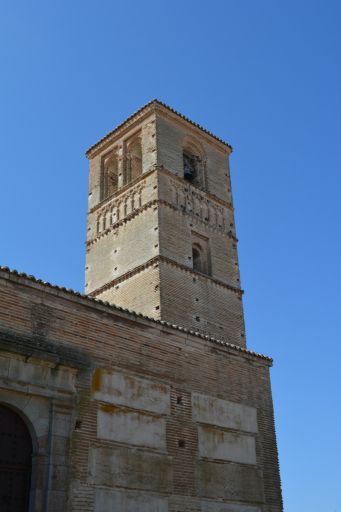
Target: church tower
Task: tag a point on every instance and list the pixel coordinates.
(161, 237)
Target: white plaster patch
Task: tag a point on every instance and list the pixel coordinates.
(122, 389)
(229, 481)
(213, 506)
(130, 468)
(37, 373)
(229, 446)
(115, 501)
(222, 413)
(136, 428)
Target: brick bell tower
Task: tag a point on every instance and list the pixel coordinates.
(161, 237)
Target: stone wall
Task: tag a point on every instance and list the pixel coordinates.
(43, 392)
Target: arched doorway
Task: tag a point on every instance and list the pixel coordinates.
(15, 462)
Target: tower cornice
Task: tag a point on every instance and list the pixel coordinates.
(150, 107)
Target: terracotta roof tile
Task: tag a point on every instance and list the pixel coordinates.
(146, 106)
(133, 313)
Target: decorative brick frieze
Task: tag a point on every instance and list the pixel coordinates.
(126, 203)
(114, 225)
(120, 206)
(196, 204)
(177, 181)
(119, 195)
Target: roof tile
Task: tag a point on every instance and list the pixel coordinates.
(140, 110)
(211, 339)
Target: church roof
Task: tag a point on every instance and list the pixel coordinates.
(136, 315)
(153, 103)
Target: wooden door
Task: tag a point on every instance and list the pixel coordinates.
(15, 462)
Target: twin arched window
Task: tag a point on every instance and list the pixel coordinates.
(117, 173)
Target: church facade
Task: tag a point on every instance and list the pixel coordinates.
(140, 395)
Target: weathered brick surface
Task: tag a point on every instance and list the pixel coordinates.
(138, 292)
(170, 137)
(205, 305)
(116, 341)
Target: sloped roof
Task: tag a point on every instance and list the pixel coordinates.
(208, 338)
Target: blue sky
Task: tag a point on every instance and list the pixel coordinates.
(263, 75)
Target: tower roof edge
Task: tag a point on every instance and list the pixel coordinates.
(149, 106)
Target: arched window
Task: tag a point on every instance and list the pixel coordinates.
(197, 258)
(190, 170)
(134, 161)
(15, 461)
(201, 254)
(193, 164)
(110, 175)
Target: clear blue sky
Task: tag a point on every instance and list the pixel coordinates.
(264, 75)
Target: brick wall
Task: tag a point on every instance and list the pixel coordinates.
(170, 136)
(156, 385)
(205, 305)
(157, 217)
